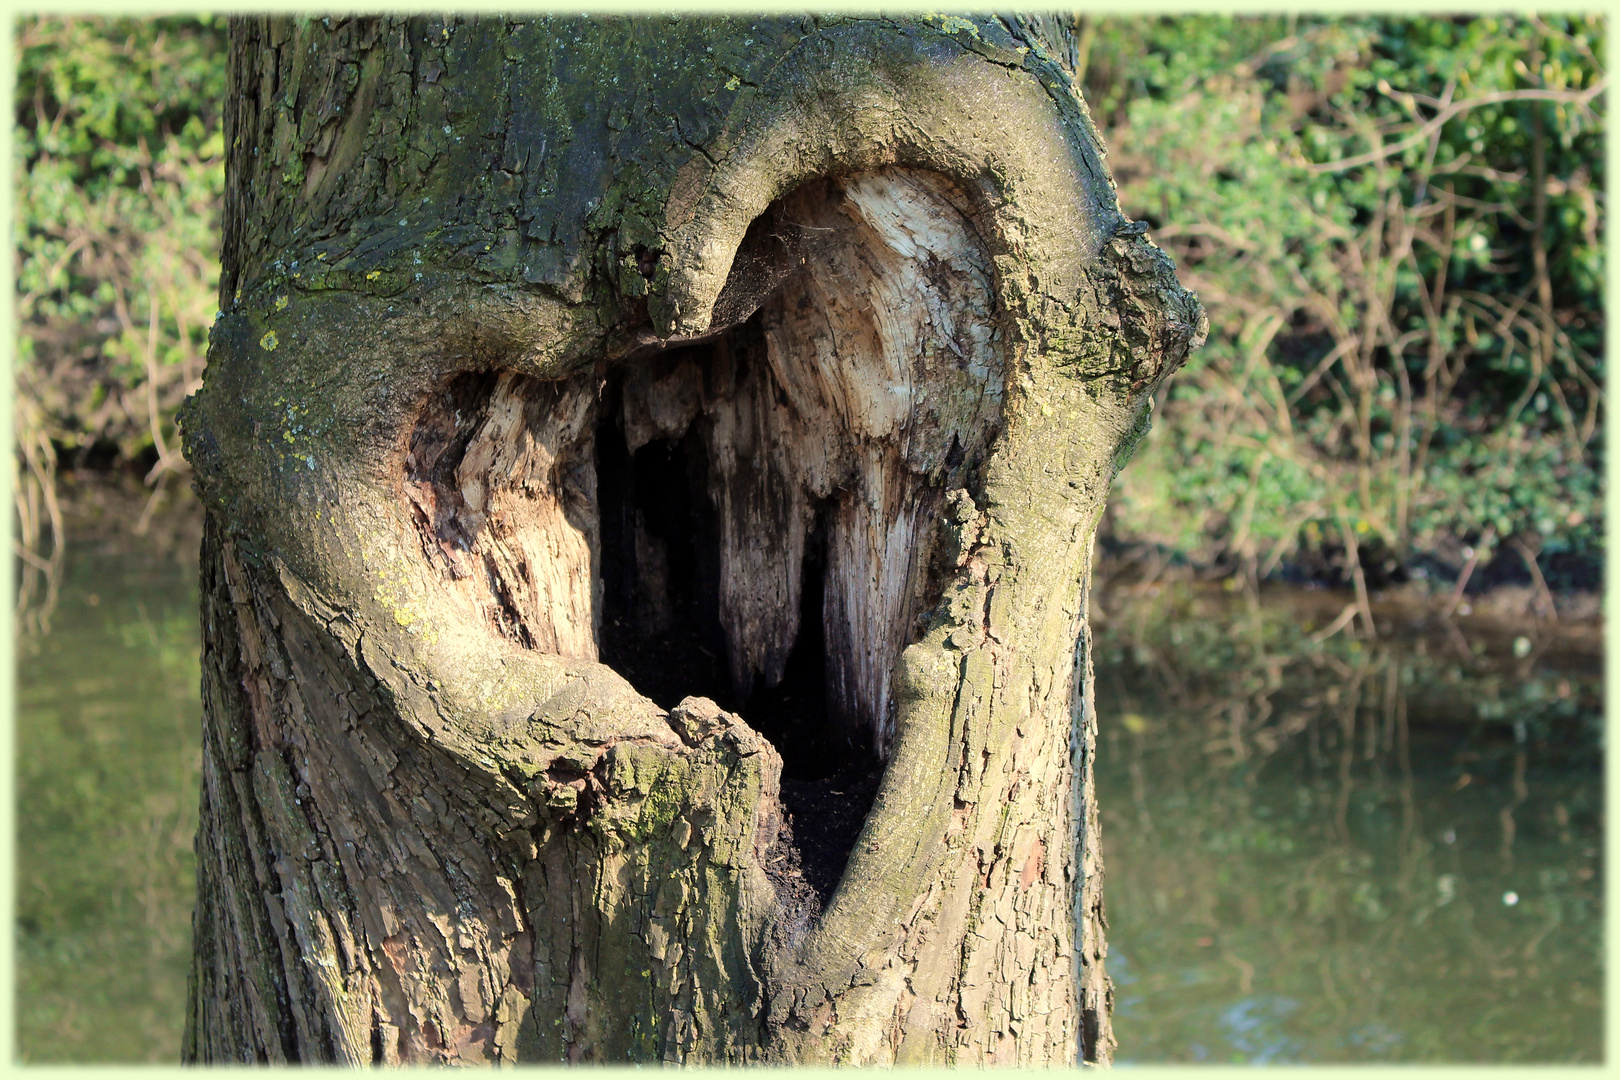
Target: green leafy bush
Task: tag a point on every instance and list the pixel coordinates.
(1394, 222)
(1395, 225)
(118, 171)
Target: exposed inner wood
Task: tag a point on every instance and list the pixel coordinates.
(753, 515)
(502, 484)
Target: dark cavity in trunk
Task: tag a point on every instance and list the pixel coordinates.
(660, 629)
(754, 517)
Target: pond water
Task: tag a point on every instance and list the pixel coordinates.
(1348, 851)
(1316, 851)
(108, 734)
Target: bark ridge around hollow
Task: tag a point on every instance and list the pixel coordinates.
(580, 385)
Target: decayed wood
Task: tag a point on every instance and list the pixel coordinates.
(503, 481)
(861, 389)
(866, 278)
(876, 387)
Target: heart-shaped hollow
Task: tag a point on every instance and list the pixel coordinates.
(751, 517)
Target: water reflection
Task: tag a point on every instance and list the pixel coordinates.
(1324, 849)
(1317, 850)
(108, 731)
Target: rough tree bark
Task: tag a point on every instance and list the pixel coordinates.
(775, 367)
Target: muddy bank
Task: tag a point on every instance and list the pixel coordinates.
(1491, 603)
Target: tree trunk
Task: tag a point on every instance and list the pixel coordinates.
(651, 469)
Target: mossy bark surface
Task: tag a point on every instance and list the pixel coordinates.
(553, 347)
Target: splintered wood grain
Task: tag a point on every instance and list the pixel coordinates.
(849, 400)
(502, 479)
(864, 387)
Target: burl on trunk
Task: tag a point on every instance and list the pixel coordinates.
(651, 467)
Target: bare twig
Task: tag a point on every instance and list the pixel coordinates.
(1357, 576)
(1544, 596)
(1450, 112)
(1344, 618)
(1485, 541)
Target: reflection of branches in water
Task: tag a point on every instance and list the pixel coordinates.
(1274, 810)
(39, 519)
(1521, 792)
(1347, 728)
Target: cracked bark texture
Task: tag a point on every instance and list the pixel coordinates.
(869, 276)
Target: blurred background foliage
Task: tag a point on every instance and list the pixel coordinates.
(1395, 224)
(117, 175)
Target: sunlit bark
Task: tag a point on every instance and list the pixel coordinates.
(864, 285)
